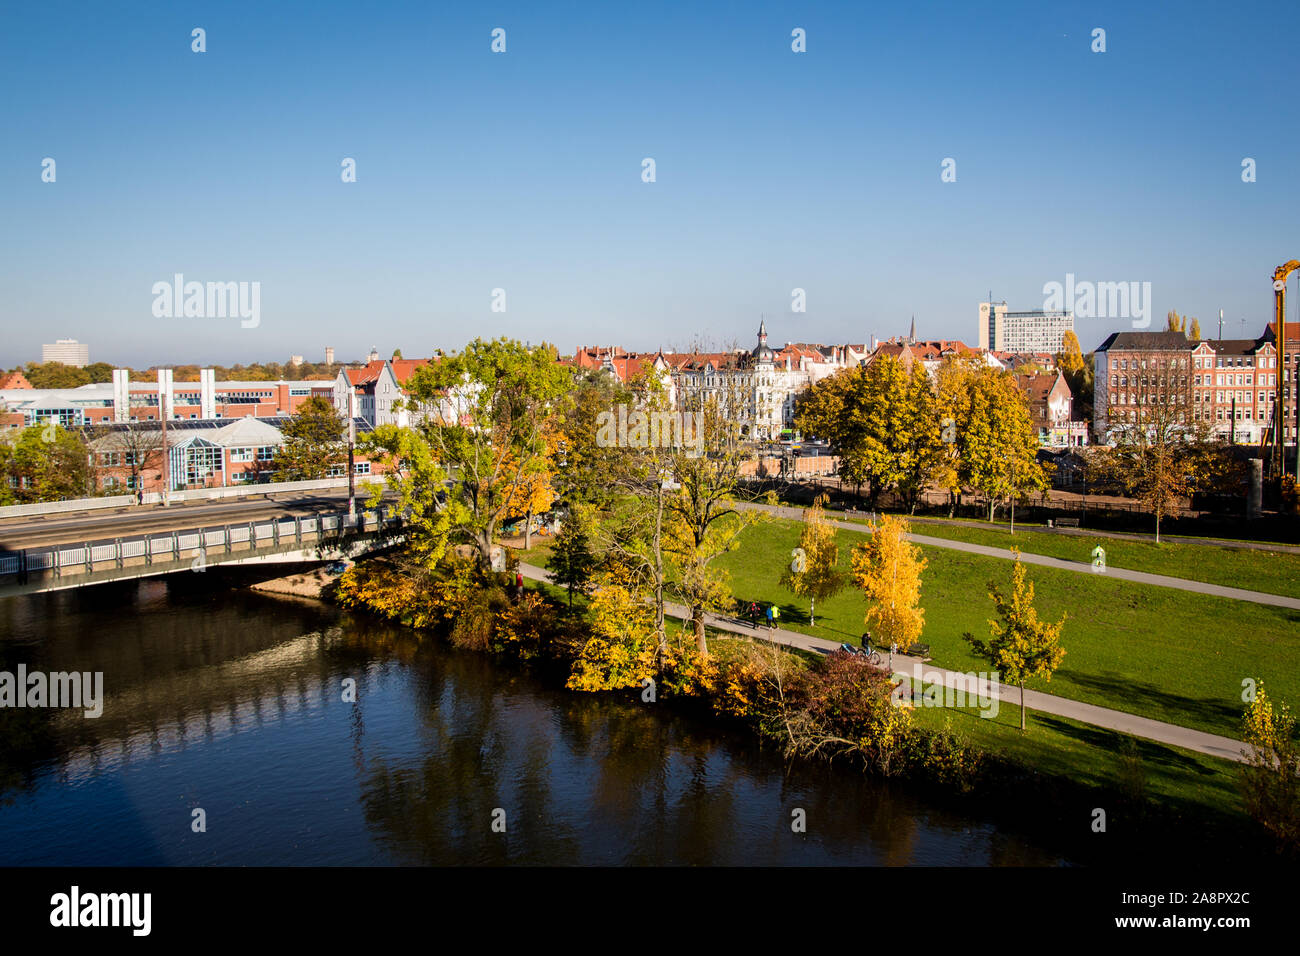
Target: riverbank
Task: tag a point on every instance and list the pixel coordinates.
(1168, 799)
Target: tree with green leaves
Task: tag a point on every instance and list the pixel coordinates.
(313, 442)
(55, 375)
(813, 572)
(702, 522)
(1021, 646)
(482, 413)
(413, 471)
(44, 462)
(572, 561)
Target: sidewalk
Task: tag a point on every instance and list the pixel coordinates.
(1172, 734)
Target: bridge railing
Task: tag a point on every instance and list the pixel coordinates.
(276, 534)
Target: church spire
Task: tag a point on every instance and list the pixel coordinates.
(762, 331)
(911, 336)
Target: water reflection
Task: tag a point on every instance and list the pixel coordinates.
(233, 701)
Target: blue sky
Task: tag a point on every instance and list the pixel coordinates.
(522, 170)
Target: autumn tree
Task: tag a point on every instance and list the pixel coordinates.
(702, 521)
(884, 422)
(1158, 456)
(531, 488)
(996, 445)
(1195, 333)
(313, 442)
(620, 649)
(1021, 646)
(1070, 358)
(1271, 774)
(1175, 322)
(813, 571)
(888, 569)
(641, 480)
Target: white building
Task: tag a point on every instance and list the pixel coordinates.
(67, 352)
(1034, 331)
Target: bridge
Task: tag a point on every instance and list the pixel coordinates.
(55, 552)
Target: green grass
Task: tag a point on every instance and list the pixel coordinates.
(1273, 572)
(1162, 653)
(1091, 756)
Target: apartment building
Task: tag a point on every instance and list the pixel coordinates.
(1001, 330)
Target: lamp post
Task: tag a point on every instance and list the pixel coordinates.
(352, 441)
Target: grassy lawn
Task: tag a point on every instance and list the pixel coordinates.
(1165, 654)
(1093, 756)
(1272, 572)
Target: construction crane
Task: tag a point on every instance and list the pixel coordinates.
(1280, 275)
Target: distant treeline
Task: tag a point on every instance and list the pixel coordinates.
(58, 375)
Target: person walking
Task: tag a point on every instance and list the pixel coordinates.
(776, 615)
(769, 617)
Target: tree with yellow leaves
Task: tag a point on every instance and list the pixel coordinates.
(813, 571)
(1271, 774)
(888, 569)
(1021, 645)
(530, 491)
(622, 647)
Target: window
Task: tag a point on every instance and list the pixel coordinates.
(109, 458)
(266, 453)
(241, 454)
(361, 468)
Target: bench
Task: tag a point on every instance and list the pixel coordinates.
(1067, 523)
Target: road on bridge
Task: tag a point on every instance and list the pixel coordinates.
(45, 530)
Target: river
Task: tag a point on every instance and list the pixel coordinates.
(231, 702)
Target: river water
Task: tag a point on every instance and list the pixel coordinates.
(221, 699)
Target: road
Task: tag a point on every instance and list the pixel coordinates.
(31, 532)
(1172, 734)
(1080, 567)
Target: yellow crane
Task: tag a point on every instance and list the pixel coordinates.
(1280, 275)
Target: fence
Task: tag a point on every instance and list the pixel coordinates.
(265, 536)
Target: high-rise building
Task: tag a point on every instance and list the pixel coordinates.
(1038, 331)
(329, 355)
(295, 360)
(66, 352)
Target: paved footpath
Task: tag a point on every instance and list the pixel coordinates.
(1080, 567)
(905, 666)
